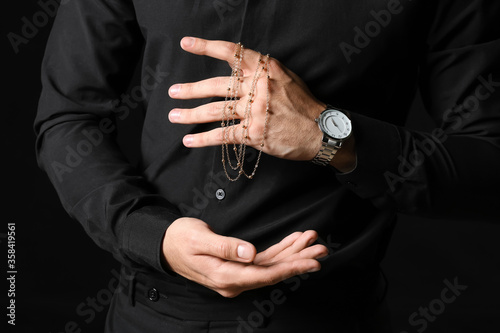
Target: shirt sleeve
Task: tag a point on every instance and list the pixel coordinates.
(91, 55)
(451, 171)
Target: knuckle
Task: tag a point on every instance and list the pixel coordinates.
(258, 129)
(295, 268)
(193, 114)
(262, 86)
(187, 88)
(219, 82)
(275, 67)
(201, 45)
(222, 285)
(228, 293)
(192, 238)
(219, 135)
(221, 282)
(224, 249)
(231, 47)
(200, 139)
(214, 110)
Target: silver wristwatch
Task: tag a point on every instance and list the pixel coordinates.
(336, 127)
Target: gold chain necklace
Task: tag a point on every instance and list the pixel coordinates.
(229, 120)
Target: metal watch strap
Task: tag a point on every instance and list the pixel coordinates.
(327, 151)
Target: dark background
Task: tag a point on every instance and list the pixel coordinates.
(59, 267)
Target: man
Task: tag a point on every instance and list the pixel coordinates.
(297, 246)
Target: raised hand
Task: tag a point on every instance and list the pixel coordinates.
(292, 132)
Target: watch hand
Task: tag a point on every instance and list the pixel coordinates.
(334, 123)
(335, 129)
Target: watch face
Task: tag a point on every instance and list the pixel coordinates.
(335, 124)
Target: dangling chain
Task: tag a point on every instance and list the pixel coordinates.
(229, 120)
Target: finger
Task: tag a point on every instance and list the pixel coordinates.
(212, 87)
(206, 113)
(305, 240)
(274, 250)
(259, 276)
(317, 251)
(298, 248)
(215, 137)
(221, 50)
(227, 248)
(313, 252)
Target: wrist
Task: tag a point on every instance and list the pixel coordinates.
(337, 143)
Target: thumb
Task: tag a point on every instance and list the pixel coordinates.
(230, 248)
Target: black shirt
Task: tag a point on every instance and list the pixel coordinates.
(365, 56)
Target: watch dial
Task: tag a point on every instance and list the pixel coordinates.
(335, 124)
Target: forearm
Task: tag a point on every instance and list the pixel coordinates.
(90, 58)
(99, 188)
(435, 174)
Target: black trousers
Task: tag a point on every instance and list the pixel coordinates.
(137, 307)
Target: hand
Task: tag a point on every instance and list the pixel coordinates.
(292, 132)
(229, 265)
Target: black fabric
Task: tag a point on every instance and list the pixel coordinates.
(449, 48)
(143, 303)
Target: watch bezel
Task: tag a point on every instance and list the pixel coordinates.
(323, 115)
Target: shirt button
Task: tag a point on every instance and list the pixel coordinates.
(220, 194)
(351, 183)
(153, 295)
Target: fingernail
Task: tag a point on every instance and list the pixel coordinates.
(187, 41)
(174, 115)
(244, 252)
(310, 242)
(188, 140)
(313, 270)
(174, 90)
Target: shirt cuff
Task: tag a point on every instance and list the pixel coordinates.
(378, 146)
(143, 234)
